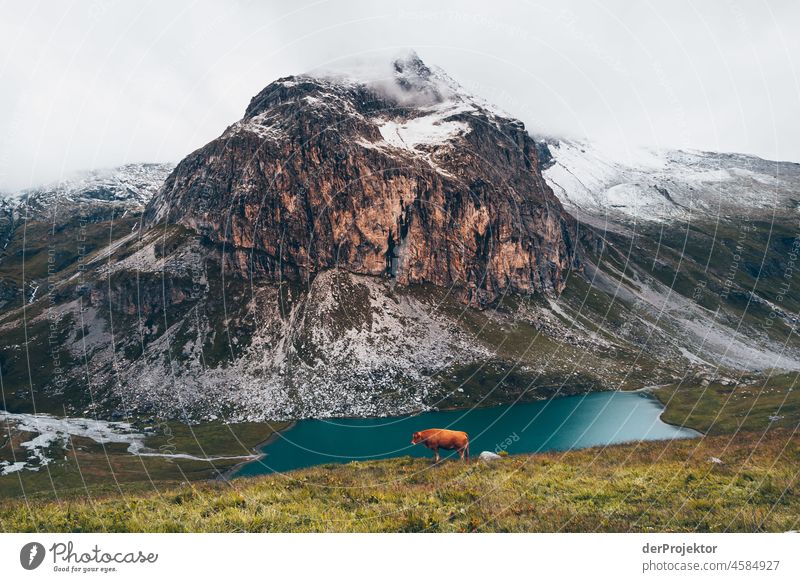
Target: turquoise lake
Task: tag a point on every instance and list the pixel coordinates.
(573, 422)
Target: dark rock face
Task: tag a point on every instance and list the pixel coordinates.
(414, 181)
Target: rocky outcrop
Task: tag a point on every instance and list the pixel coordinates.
(417, 181)
(488, 457)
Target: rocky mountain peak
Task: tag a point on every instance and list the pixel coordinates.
(393, 173)
(419, 83)
(405, 82)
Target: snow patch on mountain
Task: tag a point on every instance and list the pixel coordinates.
(640, 183)
(429, 129)
(52, 432)
(55, 434)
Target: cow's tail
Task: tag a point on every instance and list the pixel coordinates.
(467, 450)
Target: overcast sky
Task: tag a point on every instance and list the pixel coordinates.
(97, 84)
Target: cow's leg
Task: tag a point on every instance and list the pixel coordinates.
(461, 453)
(436, 454)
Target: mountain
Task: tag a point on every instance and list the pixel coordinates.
(40, 228)
(126, 187)
(627, 184)
(706, 243)
(415, 181)
(373, 245)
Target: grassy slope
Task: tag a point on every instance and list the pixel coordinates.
(658, 486)
(754, 404)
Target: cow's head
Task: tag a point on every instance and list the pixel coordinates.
(416, 438)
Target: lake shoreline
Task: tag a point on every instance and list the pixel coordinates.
(651, 391)
(230, 473)
(563, 423)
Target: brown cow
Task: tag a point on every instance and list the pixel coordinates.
(440, 438)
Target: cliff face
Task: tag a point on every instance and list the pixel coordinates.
(407, 177)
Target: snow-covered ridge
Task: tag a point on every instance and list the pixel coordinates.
(657, 184)
(135, 183)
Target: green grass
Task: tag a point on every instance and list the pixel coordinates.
(41, 249)
(656, 486)
(748, 405)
